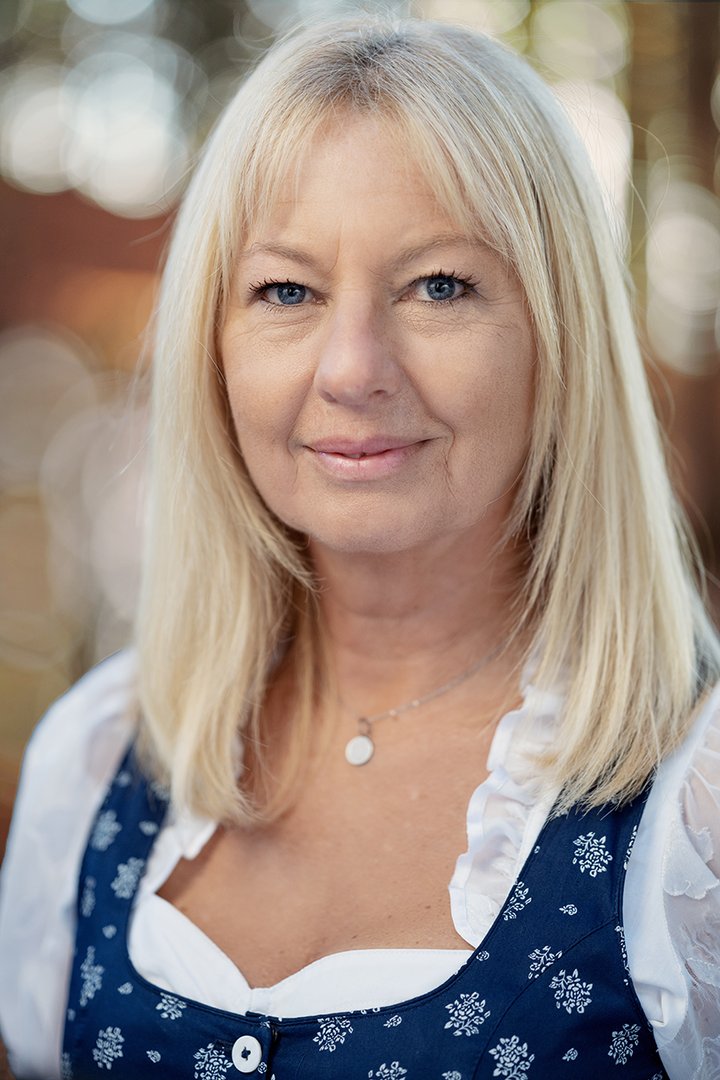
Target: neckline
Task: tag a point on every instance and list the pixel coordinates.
(328, 959)
(513, 743)
(535, 703)
(397, 1008)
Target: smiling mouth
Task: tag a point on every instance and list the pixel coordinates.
(357, 449)
(354, 457)
(373, 460)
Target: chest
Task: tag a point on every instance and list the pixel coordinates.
(337, 874)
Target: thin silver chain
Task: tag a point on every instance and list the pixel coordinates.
(365, 723)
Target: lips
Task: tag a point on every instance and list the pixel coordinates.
(361, 448)
(373, 459)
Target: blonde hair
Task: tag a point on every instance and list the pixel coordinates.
(609, 593)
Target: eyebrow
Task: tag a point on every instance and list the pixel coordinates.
(407, 255)
(294, 254)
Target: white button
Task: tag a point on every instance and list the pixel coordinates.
(246, 1054)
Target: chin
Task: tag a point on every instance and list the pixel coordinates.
(361, 541)
(364, 538)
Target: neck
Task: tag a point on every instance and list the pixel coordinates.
(400, 625)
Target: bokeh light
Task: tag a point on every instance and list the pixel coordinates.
(575, 39)
(35, 125)
(44, 382)
(127, 150)
(486, 15)
(110, 12)
(602, 122)
(108, 122)
(683, 271)
(71, 468)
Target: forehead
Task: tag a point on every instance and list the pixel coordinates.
(354, 200)
(347, 160)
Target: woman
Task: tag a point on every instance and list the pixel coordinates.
(414, 583)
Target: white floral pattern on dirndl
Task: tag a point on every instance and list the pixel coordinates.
(170, 1007)
(105, 830)
(127, 878)
(333, 1032)
(211, 1063)
(591, 854)
(393, 1071)
(91, 974)
(623, 1043)
(512, 1059)
(467, 1013)
(108, 1047)
(518, 901)
(541, 960)
(571, 993)
(87, 900)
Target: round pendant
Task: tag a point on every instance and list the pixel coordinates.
(359, 750)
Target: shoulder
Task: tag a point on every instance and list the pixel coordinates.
(75, 747)
(686, 796)
(101, 699)
(683, 810)
(672, 899)
(701, 736)
(689, 787)
(68, 763)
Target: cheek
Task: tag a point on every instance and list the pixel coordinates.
(493, 404)
(265, 397)
(263, 426)
(510, 411)
(263, 430)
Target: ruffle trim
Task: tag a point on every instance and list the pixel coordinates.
(691, 880)
(505, 814)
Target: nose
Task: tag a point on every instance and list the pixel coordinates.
(356, 364)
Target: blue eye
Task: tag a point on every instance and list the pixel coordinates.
(441, 287)
(287, 294)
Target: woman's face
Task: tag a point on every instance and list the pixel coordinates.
(379, 364)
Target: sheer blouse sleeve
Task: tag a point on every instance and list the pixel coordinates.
(673, 896)
(67, 766)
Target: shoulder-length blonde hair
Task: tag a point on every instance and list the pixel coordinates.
(609, 593)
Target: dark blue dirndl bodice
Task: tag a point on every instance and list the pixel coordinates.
(546, 995)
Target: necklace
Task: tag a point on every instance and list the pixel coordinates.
(360, 748)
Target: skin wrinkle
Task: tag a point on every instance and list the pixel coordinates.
(363, 320)
(468, 246)
(406, 256)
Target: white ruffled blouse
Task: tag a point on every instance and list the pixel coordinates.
(671, 900)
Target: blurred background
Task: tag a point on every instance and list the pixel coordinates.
(103, 107)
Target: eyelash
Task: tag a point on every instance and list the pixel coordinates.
(259, 287)
(469, 286)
